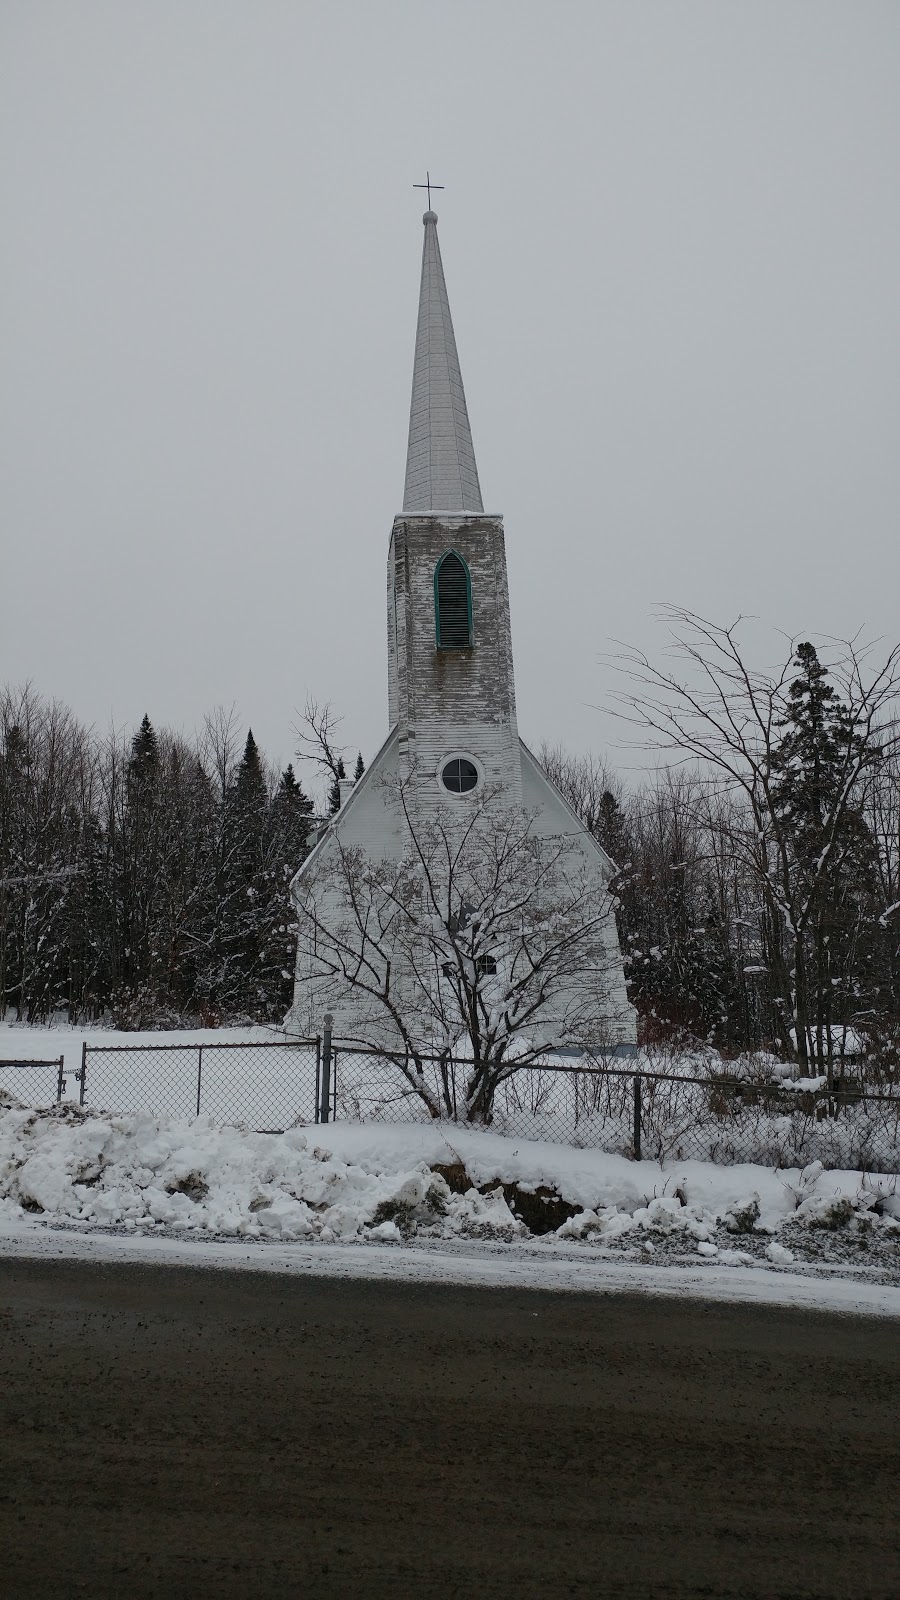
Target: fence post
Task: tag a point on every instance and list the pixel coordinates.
(60, 1079)
(637, 1117)
(83, 1071)
(324, 1108)
(199, 1074)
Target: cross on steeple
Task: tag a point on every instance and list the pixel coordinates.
(429, 186)
(441, 474)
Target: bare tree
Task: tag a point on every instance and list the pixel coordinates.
(316, 736)
(713, 709)
(484, 939)
(584, 781)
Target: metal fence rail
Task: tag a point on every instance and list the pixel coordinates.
(36, 1083)
(664, 1116)
(270, 1084)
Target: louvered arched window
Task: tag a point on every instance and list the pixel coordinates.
(452, 603)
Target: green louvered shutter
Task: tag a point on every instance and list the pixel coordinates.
(454, 604)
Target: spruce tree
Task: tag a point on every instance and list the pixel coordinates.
(241, 885)
(293, 811)
(144, 763)
(250, 783)
(817, 748)
(360, 767)
(610, 829)
(136, 866)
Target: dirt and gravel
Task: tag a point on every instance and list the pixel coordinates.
(171, 1432)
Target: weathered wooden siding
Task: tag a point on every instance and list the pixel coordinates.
(451, 702)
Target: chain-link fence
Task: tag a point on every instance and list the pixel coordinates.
(272, 1085)
(658, 1115)
(35, 1083)
(269, 1085)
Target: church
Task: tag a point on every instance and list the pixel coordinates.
(453, 751)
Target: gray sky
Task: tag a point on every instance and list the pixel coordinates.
(671, 234)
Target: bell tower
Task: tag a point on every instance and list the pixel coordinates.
(451, 690)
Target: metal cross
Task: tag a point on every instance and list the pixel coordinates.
(429, 186)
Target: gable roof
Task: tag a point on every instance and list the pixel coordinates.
(579, 826)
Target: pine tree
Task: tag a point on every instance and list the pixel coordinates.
(293, 812)
(247, 807)
(144, 764)
(817, 747)
(334, 793)
(811, 753)
(136, 866)
(360, 767)
(610, 828)
(250, 784)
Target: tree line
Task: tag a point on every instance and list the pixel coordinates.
(146, 879)
(759, 865)
(143, 879)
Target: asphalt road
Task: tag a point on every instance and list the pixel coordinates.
(197, 1433)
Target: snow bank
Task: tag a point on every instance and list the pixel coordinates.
(345, 1181)
(142, 1171)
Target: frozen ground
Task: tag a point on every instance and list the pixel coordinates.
(442, 1202)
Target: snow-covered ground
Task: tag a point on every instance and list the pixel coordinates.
(443, 1200)
(159, 1071)
(21, 1042)
(276, 1088)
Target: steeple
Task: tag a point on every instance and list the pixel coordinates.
(441, 474)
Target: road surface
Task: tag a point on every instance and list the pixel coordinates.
(172, 1432)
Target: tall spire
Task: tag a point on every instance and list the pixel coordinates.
(441, 474)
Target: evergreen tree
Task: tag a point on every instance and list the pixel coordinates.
(360, 767)
(812, 753)
(610, 829)
(144, 763)
(246, 834)
(247, 804)
(137, 862)
(818, 747)
(293, 812)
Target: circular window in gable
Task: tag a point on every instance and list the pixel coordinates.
(459, 775)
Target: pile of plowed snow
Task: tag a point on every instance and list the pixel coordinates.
(343, 1181)
(139, 1171)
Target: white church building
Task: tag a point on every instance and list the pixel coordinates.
(453, 736)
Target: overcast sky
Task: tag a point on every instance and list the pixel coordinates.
(671, 233)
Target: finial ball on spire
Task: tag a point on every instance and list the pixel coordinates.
(430, 216)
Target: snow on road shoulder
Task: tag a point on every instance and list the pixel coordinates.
(92, 1170)
(478, 1265)
(440, 1188)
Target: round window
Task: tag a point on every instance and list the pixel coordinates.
(459, 775)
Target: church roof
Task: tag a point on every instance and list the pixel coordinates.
(441, 474)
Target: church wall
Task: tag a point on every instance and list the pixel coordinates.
(372, 820)
(552, 817)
